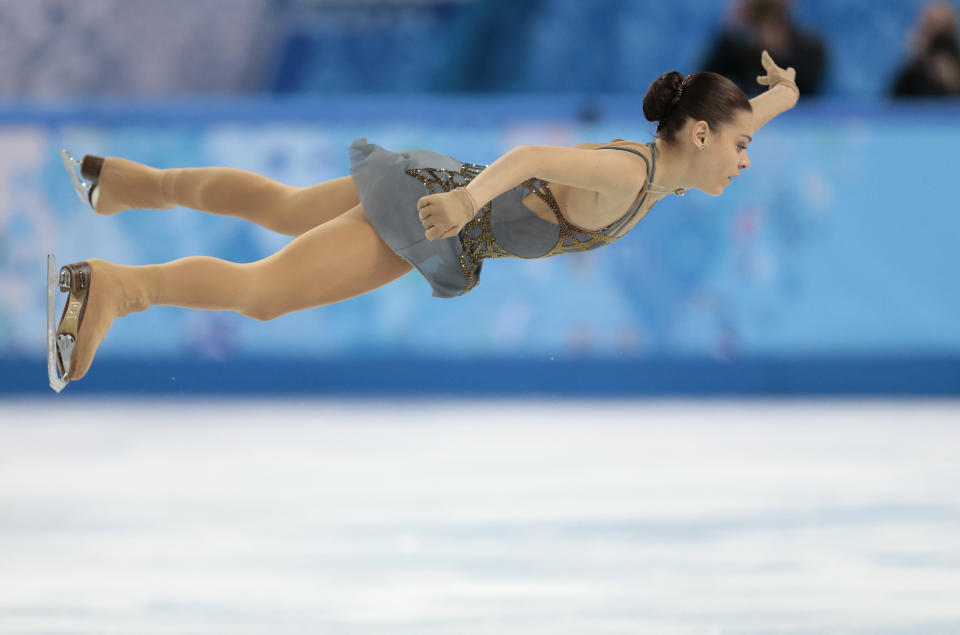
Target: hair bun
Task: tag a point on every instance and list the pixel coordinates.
(658, 101)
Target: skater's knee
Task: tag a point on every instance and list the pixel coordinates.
(263, 312)
(262, 306)
(262, 297)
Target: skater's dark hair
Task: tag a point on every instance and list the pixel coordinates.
(709, 97)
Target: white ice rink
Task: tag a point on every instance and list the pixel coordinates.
(144, 517)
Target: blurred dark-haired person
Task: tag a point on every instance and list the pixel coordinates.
(766, 25)
(934, 67)
(410, 209)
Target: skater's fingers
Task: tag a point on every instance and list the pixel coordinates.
(767, 62)
(424, 215)
(425, 201)
(433, 228)
(444, 230)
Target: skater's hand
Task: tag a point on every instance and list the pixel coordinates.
(776, 75)
(444, 214)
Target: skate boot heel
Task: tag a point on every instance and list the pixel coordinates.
(74, 277)
(90, 167)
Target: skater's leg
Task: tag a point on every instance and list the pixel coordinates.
(337, 260)
(124, 184)
(281, 208)
(334, 261)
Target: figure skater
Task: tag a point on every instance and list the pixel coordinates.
(400, 210)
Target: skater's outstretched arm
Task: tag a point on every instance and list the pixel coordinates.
(782, 95)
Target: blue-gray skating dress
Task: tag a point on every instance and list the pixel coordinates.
(391, 183)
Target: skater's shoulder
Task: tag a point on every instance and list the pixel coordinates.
(624, 144)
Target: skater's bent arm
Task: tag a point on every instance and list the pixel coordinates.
(443, 214)
(598, 170)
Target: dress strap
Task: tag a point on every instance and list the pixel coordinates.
(651, 169)
(636, 152)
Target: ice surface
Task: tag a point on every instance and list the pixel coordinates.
(479, 517)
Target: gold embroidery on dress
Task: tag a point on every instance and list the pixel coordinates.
(476, 238)
(569, 239)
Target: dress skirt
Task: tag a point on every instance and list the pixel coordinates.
(389, 195)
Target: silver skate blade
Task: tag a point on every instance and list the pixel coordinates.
(53, 284)
(72, 165)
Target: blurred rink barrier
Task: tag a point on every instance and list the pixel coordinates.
(830, 267)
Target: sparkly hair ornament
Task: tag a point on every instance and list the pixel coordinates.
(676, 98)
(673, 102)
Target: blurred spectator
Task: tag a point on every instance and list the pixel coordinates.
(934, 67)
(758, 25)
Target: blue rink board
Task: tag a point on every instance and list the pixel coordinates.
(420, 377)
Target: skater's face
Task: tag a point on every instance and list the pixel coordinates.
(725, 152)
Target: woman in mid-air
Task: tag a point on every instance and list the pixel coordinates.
(410, 209)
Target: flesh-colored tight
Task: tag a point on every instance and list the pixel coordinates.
(335, 255)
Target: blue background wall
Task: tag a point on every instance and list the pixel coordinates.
(830, 267)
